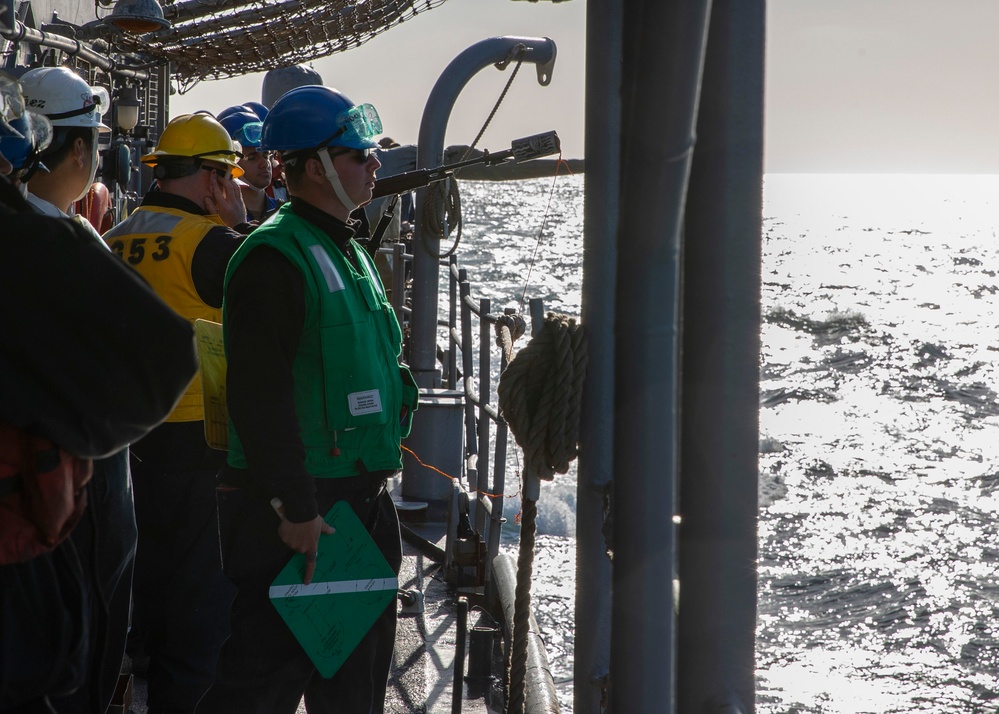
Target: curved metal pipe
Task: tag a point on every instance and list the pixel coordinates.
(495, 50)
(540, 697)
(20, 32)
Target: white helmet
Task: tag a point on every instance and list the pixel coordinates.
(64, 97)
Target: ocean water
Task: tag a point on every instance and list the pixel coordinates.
(523, 240)
(879, 445)
(879, 433)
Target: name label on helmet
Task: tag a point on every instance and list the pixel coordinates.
(333, 280)
(39, 103)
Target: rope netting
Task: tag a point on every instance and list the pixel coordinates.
(216, 39)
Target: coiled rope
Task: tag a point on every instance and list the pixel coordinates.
(540, 394)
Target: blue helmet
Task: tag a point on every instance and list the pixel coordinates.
(313, 117)
(257, 108)
(23, 134)
(229, 110)
(243, 126)
(20, 151)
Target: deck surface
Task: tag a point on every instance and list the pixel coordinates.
(422, 674)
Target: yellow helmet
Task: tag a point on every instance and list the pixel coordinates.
(196, 136)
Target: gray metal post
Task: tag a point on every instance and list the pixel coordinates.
(591, 665)
(467, 369)
(398, 280)
(452, 322)
(721, 343)
(430, 153)
(478, 518)
(661, 75)
(426, 247)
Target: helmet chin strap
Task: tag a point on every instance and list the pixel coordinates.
(334, 179)
(93, 168)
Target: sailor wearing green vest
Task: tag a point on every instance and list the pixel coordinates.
(318, 404)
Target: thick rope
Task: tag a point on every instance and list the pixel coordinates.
(517, 675)
(540, 393)
(442, 207)
(509, 328)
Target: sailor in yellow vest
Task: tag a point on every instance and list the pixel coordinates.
(318, 404)
(180, 239)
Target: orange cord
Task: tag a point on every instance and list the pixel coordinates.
(446, 475)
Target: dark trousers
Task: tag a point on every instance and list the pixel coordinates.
(100, 551)
(180, 595)
(106, 538)
(262, 668)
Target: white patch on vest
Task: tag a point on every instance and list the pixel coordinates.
(333, 280)
(369, 402)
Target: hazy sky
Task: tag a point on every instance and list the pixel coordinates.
(886, 86)
(905, 86)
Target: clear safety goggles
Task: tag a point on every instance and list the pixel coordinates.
(362, 120)
(11, 105)
(30, 129)
(249, 133)
(356, 125)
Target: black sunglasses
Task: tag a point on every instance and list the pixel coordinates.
(359, 155)
(221, 173)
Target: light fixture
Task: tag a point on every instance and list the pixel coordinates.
(137, 16)
(128, 104)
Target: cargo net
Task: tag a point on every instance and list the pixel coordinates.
(216, 39)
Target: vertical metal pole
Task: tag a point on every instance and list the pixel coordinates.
(721, 343)
(452, 365)
(485, 382)
(467, 360)
(497, 488)
(458, 681)
(591, 664)
(661, 71)
(537, 309)
(398, 280)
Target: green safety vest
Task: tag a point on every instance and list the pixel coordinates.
(349, 386)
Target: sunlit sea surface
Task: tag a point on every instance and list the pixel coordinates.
(879, 433)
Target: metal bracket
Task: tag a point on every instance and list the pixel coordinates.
(515, 53)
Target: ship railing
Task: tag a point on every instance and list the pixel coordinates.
(467, 369)
(397, 255)
(481, 418)
(471, 563)
(486, 501)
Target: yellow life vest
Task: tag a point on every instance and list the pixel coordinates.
(160, 243)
